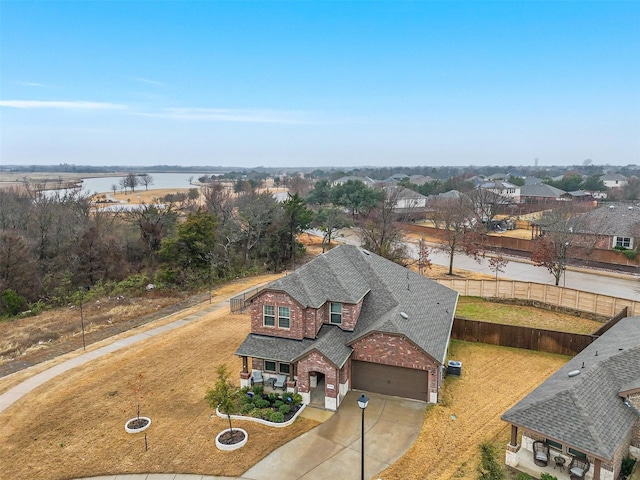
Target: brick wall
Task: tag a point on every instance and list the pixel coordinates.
(315, 362)
(296, 329)
(350, 314)
(314, 318)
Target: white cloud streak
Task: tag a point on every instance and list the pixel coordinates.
(231, 115)
(150, 82)
(73, 105)
(34, 84)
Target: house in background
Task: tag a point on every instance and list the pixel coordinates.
(342, 180)
(542, 193)
(504, 189)
(614, 180)
(618, 225)
(350, 319)
(589, 409)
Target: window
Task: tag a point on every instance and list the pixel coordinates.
(269, 366)
(283, 368)
(553, 444)
(624, 242)
(576, 453)
(336, 313)
(284, 315)
(269, 315)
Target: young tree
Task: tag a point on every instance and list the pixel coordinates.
(552, 255)
(497, 264)
(424, 262)
(223, 395)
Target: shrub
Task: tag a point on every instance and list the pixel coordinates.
(276, 417)
(630, 254)
(247, 408)
(255, 413)
(490, 468)
(547, 476)
(296, 398)
(627, 466)
(12, 303)
(258, 390)
(274, 397)
(261, 402)
(278, 403)
(284, 408)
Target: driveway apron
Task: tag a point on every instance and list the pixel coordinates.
(332, 450)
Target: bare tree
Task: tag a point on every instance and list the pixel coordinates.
(455, 217)
(146, 180)
(329, 220)
(485, 204)
(424, 262)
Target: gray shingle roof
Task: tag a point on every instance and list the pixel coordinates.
(541, 190)
(347, 274)
(585, 411)
(616, 219)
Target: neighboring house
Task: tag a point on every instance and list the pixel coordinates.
(614, 180)
(498, 176)
(504, 189)
(618, 224)
(350, 319)
(366, 180)
(405, 199)
(395, 178)
(420, 179)
(541, 192)
(589, 408)
(532, 180)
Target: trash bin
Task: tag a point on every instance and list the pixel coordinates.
(454, 368)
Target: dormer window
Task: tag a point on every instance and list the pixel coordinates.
(284, 317)
(269, 315)
(336, 313)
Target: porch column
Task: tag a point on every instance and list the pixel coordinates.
(514, 436)
(597, 464)
(245, 368)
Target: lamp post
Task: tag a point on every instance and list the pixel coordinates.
(363, 401)
(564, 264)
(84, 345)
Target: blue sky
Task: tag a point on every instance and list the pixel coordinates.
(319, 83)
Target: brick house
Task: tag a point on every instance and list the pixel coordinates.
(350, 319)
(590, 408)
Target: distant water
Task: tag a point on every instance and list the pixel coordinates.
(160, 180)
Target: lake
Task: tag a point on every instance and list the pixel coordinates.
(160, 180)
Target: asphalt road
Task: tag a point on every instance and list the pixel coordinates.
(615, 284)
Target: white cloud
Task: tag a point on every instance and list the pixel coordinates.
(73, 105)
(150, 82)
(34, 84)
(232, 115)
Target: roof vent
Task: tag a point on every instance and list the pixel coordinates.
(611, 207)
(574, 373)
(630, 208)
(404, 315)
(365, 251)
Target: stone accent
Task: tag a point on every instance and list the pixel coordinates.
(511, 458)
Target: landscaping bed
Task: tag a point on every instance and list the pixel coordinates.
(272, 407)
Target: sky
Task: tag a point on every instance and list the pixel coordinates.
(319, 83)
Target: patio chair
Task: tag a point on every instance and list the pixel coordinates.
(257, 377)
(280, 382)
(540, 453)
(578, 468)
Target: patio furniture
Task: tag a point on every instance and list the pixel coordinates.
(578, 468)
(270, 382)
(540, 453)
(280, 382)
(257, 377)
(559, 462)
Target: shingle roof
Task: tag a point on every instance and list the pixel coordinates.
(615, 219)
(540, 190)
(331, 342)
(348, 274)
(585, 410)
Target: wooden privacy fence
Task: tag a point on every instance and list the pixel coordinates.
(520, 337)
(537, 292)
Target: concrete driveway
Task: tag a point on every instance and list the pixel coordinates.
(332, 450)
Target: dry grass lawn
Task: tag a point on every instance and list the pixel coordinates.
(74, 425)
(493, 379)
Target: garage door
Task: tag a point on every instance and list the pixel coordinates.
(388, 380)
